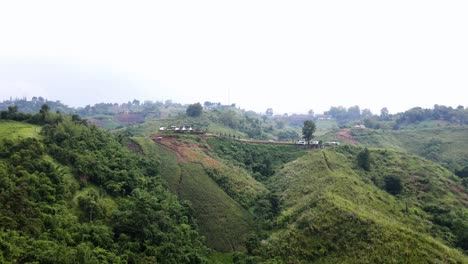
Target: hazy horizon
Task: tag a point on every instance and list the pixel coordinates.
(291, 57)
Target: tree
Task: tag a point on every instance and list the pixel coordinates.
(311, 112)
(354, 112)
(363, 159)
(308, 130)
(44, 109)
(194, 110)
(269, 112)
(463, 173)
(393, 184)
(366, 113)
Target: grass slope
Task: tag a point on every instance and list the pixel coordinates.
(221, 219)
(446, 145)
(332, 212)
(14, 130)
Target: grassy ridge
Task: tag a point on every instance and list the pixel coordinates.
(332, 212)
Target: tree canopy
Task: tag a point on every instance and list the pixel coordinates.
(194, 110)
(308, 130)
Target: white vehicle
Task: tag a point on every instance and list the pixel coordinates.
(301, 142)
(314, 142)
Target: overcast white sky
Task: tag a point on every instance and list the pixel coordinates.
(288, 55)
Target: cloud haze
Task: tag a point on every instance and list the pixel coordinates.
(289, 55)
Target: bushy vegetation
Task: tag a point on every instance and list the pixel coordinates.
(332, 212)
(261, 160)
(74, 193)
(101, 204)
(445, 145)
(363, 159)
(457, 115)
(194, 110)
(35, 104)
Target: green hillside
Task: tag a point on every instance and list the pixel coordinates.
(71, 192)
(446, 145)
(15, 130)
(221, 219)
(333, 212)
(74, 194)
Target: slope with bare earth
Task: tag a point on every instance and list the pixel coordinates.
(222, 215)
(346, 136)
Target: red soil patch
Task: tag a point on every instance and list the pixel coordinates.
(186, 152)
(346, 136)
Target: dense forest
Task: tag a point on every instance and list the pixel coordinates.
(75, 194)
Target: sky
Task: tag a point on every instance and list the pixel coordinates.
(291, 56)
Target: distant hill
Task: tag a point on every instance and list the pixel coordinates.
(446, 145)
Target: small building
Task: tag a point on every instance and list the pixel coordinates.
(331, 143)
(359, 126)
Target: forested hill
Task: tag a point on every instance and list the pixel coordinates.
(72, 193)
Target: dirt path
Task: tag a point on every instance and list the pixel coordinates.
(167, 143)
(346, 136)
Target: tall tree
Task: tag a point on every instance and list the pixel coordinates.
(194, 110)
(308, 130)
(363, 159)
(384, 113)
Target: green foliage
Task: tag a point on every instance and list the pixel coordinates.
(393, 184)
(288, 135)
(194, 110)
(123, 214)
(463, 173)
(457, 115)
(308, 130)
(446, 145)
(343, 115)
(363, 159)
(261, 160)
(332, 213)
